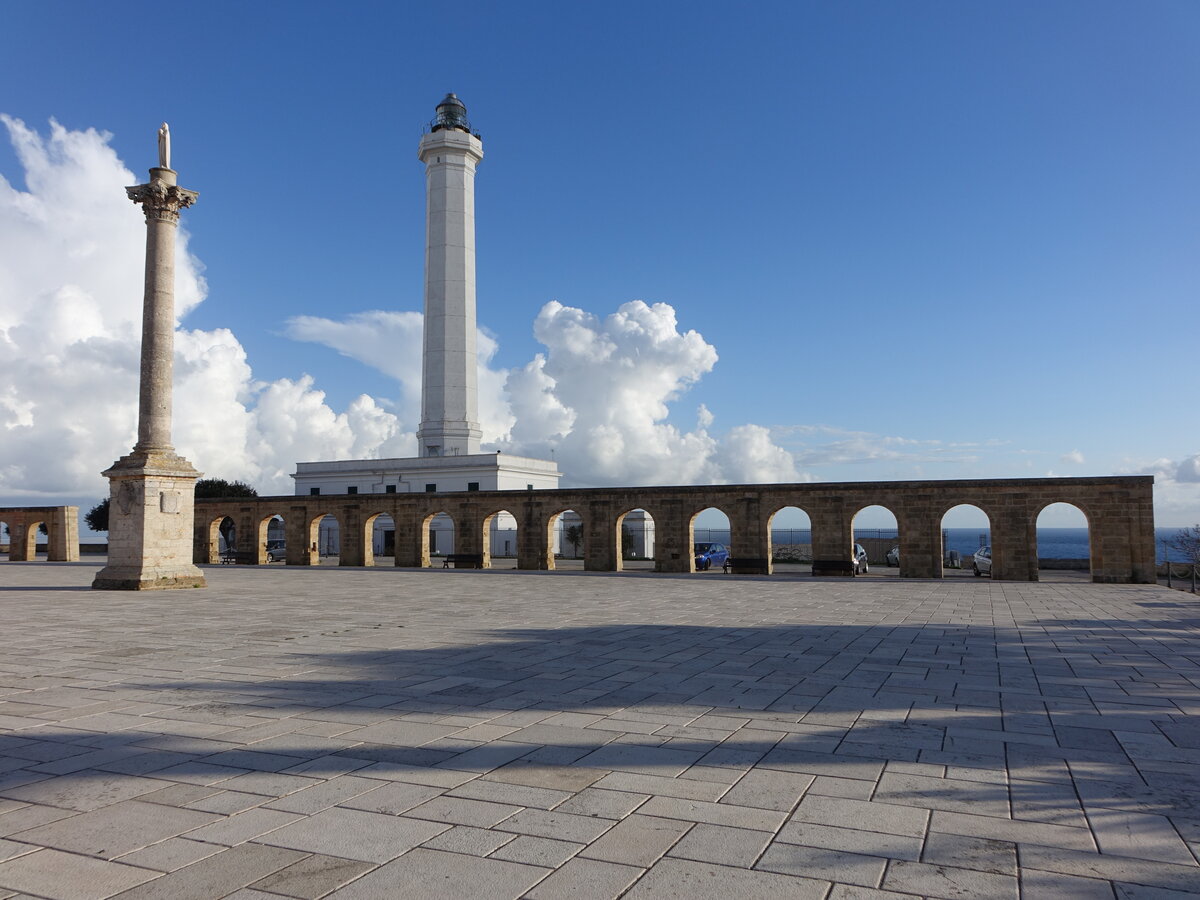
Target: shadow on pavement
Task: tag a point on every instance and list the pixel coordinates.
(1034, 722)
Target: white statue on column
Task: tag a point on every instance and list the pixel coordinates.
(164, 147)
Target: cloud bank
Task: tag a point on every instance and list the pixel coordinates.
(596, 400)
(70, 322)
(598, 397)
(1176, 487)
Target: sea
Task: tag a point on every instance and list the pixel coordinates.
(1053, 543)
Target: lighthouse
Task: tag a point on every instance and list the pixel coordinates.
(449, 458)
(449, 392)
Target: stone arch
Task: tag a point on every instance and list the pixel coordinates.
(499, 537)
(32, 529)
(325, 533)
(566, 532)
(789, 536)
(710, 532)
(873, 532)
(634, 539)
(957, 543)
(270, 536)
(1056, 551)
(219, 534)
(375, 521)
(438, 528)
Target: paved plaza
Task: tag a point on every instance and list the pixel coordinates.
(373, 733)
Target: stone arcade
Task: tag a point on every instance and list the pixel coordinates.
(23, 524)
(1119, 511)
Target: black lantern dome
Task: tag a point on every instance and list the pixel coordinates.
(451, 113)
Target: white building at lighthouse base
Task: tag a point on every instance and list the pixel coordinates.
(428, 474)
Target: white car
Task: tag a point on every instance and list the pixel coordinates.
(893, 556)
(983, 561)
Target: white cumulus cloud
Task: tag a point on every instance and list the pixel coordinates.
(1074, 458)
(1189, 469)
(70, 321)
(597, 398)
(601, 393)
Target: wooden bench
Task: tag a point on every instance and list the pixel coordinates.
(232, 557)
(743, 565)
(833, 567)
(463, 560)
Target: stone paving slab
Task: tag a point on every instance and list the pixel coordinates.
(381, 732)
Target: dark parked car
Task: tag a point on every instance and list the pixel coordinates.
(276, 551)
(983, 561)
(709, 554)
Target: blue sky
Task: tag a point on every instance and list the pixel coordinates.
(926, 240)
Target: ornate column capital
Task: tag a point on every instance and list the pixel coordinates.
(161, 201)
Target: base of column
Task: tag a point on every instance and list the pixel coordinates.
(126, 578)
(150, 524)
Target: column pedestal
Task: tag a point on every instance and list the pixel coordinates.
(150, 524)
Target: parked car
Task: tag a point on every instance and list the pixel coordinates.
(983, 561)
(708, 554)
(893, 556)
(860, 560)
(276, 551)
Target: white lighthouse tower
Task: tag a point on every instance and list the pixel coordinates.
(448, 454)
(449, 394)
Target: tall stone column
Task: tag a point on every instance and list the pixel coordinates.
(151, 490)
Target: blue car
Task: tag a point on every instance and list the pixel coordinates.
(709, 554)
